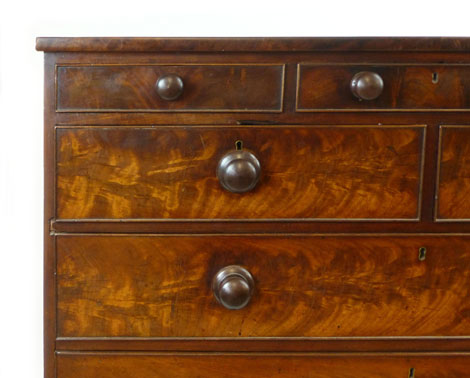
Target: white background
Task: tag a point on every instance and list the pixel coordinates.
(21, 99)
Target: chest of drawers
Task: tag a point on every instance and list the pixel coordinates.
(257, 207)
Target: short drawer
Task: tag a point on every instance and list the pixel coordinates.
(114, 365)
(302, 286)
(306, 172)
(404, 87)
(186, 88)
(453, 191)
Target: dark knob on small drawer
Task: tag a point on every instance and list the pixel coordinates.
(233, 287)
(169, 87)
(367, 85)
(238, 171)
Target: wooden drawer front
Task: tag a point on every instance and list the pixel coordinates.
(453, 202)
(405, 87)
(113, 365)
(335, 172)
(305, 286)
(131, 88)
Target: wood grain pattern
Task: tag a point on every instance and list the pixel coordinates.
(267, 344)
(254, 44)
(250, 227)
(306, 172)
(305, 286)
(115, 365)
(206, 88)
(49, 267)
(405, 87)
(453, 201)
(372, 285)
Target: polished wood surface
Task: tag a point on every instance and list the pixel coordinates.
(241, 88)
(142, 273)
(113, 365)
(267, 344)
(49, 288)
(405, 87)
(253, 44)
(454, 174)
(305, 286)
(170, 172)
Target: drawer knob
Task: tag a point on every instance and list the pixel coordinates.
(238, 171)
(233, 287)
(169, 87)
(367, 85)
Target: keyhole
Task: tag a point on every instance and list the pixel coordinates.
(435, 77)
(422, 254)
(412, 373)
(238, 145)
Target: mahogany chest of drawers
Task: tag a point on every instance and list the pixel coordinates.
(257, 207)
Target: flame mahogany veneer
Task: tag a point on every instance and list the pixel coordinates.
(345, 251)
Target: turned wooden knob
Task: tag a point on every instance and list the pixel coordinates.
(233, 287)
(169, 87)
(238, 171)
(367, 85)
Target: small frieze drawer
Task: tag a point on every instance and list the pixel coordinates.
(170, 88)
(380, 87)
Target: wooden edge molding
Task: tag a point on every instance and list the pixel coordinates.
(59, 226)
(330, 234)
(258, 44)
(438, 178)
(260, 345)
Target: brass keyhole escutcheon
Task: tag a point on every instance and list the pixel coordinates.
(422, 253)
